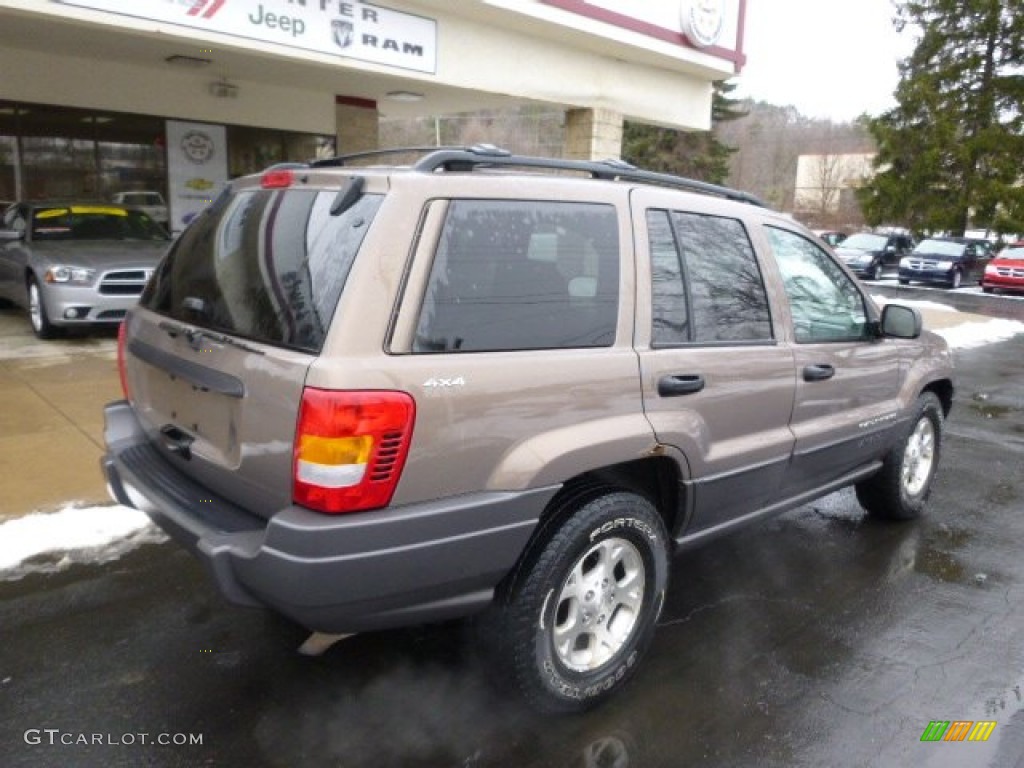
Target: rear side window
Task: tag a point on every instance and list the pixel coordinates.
(516, 275)
(707, 285)
(267, 265)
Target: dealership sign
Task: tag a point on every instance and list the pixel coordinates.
(354, 30)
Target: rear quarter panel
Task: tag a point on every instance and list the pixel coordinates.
(485, 420)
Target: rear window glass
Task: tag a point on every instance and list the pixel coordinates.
(267, 265)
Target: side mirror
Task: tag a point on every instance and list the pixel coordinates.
(11, 235)
(899, 322)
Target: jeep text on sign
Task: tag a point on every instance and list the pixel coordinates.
(366, 33)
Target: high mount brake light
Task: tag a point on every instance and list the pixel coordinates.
(350, 448)
(277, 179)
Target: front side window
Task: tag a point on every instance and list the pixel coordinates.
(707, 285)
(268, 265)
(825, 302)
(517, 275)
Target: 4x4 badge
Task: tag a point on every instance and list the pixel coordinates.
(434, 382)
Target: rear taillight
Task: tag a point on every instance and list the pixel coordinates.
(350, 448)
(120, 360)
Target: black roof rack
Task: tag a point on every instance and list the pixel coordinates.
(340, 160)
(454, 159)
(489, 156)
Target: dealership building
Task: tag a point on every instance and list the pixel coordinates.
(100, 97)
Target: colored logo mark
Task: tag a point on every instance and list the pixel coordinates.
(958, 730)
(206, 8)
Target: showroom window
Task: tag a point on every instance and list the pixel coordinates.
(50, 152)
(58, 152)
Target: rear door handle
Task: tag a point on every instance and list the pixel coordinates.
(673, 386)
(819, 372)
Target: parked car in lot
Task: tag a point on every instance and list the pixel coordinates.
(1006, 271)
(152, 203)
(868, 254)
(946, 261)
(374, 397)
(76, 264)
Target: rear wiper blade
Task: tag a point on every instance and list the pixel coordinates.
(195, 337)
(172, 329)
(199, 334)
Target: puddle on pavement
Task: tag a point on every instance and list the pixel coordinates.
(991, 410)
(980, 404)
(935, 559)
(939, 565)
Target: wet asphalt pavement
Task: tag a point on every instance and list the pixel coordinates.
(818, 639)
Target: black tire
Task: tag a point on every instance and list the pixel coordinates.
(987, 289)
(955, 280)
(876, 271)
(901, 488)
(569, 652)
(904, 282)
(40, 321)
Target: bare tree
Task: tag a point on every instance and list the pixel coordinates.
(770, 141)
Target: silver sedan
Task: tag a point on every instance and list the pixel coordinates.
(76, 264)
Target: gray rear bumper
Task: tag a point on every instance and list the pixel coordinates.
(331, 573)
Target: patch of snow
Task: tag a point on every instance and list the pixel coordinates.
(45, 543)
(970, 335)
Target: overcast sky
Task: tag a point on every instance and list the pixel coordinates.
(828, 58)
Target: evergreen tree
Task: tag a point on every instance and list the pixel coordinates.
(951, 153)
(699, 155)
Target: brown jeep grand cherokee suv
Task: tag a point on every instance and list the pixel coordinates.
(372, 397)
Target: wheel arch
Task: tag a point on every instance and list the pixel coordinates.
(942, 389)
(657, 479)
